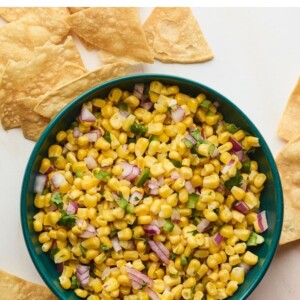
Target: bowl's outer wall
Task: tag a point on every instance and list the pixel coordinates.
(271, 199)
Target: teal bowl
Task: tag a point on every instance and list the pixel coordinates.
(271, 198)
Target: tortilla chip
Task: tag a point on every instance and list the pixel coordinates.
(32, 123)
(13, 287)
(16, 43)
(289, 126)
(288, 163)
(52, 66)
(116, 31)
(57, 99)
(12, 14)
(175, 36)
(74, 10)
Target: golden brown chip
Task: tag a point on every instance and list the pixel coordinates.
(52, 66)
(116, 31)
(12, 14)
(175, 36)
(55, 100)
(289, 126)
(32, 123)
(288, 163)
(15, 288)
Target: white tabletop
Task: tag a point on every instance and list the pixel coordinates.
(256, 65)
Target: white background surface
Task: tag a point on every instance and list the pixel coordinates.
(256, 65)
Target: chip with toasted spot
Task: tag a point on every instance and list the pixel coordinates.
(13, 287)
(289, 126)
(52, 66)
(175, 36)
(116, 31)
(74, 10)
(288, 163)
(55, 100)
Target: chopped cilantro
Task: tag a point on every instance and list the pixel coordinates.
(83, 251)
(143, 285)
(138, 129)
(74, 282)
(193, 232)
(131, 140)
(193, 198)
(141, 239)
(176, 163)
(53, 159)
(197, 136)
(232, 128)
(113, 233)
(67, 220)
(234, 181)
(105, 248)
(153, 138)
(122, 106)
(103, 175)
(107, 136)
(79, 174)
(205, 104)
(56, 199)
(46, 191)
(246, 166)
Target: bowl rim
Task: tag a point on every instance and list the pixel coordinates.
(151, 76)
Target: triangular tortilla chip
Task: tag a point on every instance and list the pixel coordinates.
(289, 126)
(175, 36)
(55, 100)
(117, 31)
(74, 10)
(288, 163)
(44, 23)
(32, 123)
(52, 66)
(15, 288)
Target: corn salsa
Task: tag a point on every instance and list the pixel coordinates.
(151, 194)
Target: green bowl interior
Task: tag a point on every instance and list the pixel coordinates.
(271, 199)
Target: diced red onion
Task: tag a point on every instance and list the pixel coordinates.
(188, 185)
(86, 115)
(215, 153)
(83, 274)
(262, 221)
(76, 132)
(136, 197)
(203, 135)
(175, 175)
(239, 154)
(236, 146)
(244, 184)
(60, 267)
(217, 238)
(130, 171)
(153, 191)
(241, 206)
(124, 113)
(228, 166)
(105, 273)
(39, 183)
(90, 162)
(52, 207)
(203, 225)
(138, 90)
(178, 114)
(152, 294)
(190, 139)
(216, 104)
(146, 104)
(153, 183)
(151, 229)
(93, 135)
(89, 232)
(245, 266)
(161, 252)
(161, 180)
(175, 217)
(221, 187)
(72, 208)
(58, 179)
(116, 244)
(139, 275)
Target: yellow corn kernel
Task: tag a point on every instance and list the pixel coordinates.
(141, 146)
(237, 274)
(211, 181)
(226, 231)
(81, 293)
(111, 284)
(193, 267)
(130, 255)
(250, 258)
(203, 149)
(91, 243)
(125, 234)
(186, 173)
(155, 129)
(172, 281)
(165, 211)
(115, 95)
(102, 144)
(62, 255)
(259, 180)
(186, 294)
(242, 234)
(157, 169)
(61, 136)
(234, 259)
(231, 287)
(132, 101)
(211, 289)
(210, 215)
(183, 195)
(54, 151)
(212, 119)
(237, 216)
(190, 282)
(45, 165)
